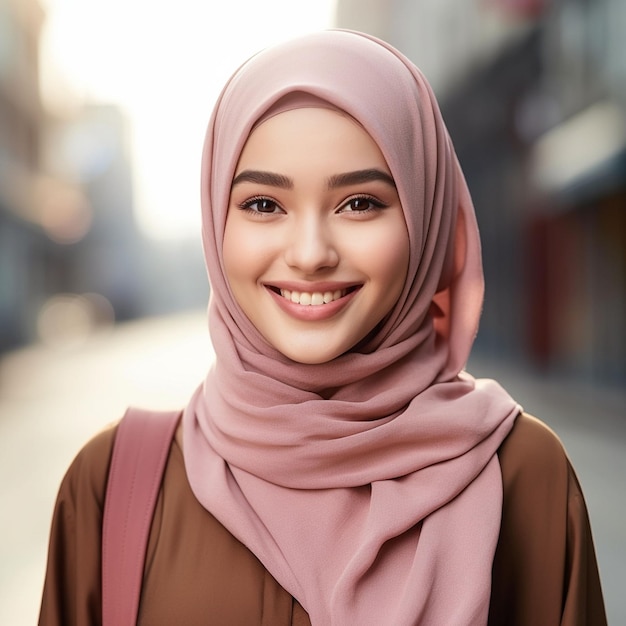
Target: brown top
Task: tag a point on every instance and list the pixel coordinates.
(544, 572)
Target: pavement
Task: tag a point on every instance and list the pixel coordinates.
(53, 399)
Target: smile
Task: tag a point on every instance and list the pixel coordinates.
(314, 306)
(315, 298)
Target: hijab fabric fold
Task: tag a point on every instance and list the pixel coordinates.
(368, 486)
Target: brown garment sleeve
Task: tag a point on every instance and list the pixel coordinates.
(72, 595)
(545, 570)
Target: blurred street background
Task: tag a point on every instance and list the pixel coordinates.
(103, 107)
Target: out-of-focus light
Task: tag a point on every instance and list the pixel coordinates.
(66, 321)
(165, 75)
(581, 144)
(62, 210)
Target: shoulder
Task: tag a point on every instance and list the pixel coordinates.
(72, 583)
(87, 474)
(533, 437)
(536, 478)
(538, 483)
(544, 569)
(532, 452)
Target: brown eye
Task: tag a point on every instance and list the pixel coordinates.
(260, 205)
(362, 204)
(265, 206)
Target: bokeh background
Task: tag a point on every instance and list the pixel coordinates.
(103, 106)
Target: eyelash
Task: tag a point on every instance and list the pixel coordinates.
(250, 202)
(375, 203)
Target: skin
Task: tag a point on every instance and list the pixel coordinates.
(314, 209)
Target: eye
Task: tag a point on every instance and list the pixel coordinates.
(261, 205)
(361, 204)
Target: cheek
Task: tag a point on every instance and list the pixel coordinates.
(387, 253)
(235, 250)
(246, 253)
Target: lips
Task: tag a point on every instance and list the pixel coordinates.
(314, 298)
(322, 303)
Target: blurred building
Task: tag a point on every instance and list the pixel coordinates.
(53, 220)
(137, 275)
(71, 254)
(100, 245)
(21, 129)
(534, 95)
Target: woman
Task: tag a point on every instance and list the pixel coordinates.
(338, 466)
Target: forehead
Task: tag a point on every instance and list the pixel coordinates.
(311, 135)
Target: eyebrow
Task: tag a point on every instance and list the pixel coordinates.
(263, 178)
(360, 176)
(338, 180)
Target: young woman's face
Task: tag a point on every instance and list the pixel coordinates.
(316, 248)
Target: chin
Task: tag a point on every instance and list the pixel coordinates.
(310, 355)
(312, 359)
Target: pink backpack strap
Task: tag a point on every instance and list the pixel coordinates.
(140, 451)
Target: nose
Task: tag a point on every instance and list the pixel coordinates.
(311, 246)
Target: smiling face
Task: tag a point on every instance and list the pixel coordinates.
(316, 248)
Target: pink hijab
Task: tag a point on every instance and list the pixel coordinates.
(369, 486)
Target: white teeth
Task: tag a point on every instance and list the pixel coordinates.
(315, 298)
